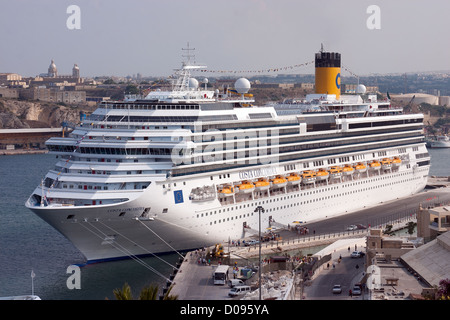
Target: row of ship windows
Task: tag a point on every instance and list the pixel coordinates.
(382, 123)
(224, 117)
(224, 155)
(230, 138)
(108, 173)
(301, 203)
(94, 187)
(151, 106)
(282, 156)
(106, 160)
(111, 151)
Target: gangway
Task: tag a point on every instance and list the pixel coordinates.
(252, 231)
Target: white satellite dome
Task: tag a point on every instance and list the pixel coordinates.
(361, 89)
(193, 83)
(242, 85)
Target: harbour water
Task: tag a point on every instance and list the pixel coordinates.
(27, 243)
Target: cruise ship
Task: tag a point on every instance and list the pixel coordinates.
(188, 167)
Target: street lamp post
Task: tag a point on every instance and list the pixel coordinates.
(259, 209)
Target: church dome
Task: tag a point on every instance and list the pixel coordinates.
(52, 71)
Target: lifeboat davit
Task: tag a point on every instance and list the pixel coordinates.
(396, 162)
(336, 172)
(226, 191)
(294, 179)
(386, 164)
(262, 184)
(279, 182)
(246, 187)
(308, 176)
(322, 174)
(375, 165)
(348, 169)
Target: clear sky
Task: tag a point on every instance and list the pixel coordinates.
(119, 37)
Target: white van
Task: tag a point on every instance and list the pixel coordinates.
(235, 282)
(238, 290)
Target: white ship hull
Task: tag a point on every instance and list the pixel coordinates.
(100, 234)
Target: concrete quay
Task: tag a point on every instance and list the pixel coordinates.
(438, 182)
(194, 281)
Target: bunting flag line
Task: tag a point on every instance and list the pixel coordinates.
(346, 69)
(267, 70)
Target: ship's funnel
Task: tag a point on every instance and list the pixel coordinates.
(328, 73)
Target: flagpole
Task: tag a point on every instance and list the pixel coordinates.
(32, 282)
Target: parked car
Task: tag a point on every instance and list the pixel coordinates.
(356, 291)
(337, 289)
(251, 242)
(235, 282)
(355, 254)
(238, 290)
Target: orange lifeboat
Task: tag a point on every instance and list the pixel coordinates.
(348, 170)
(322, 174)
(361, 167)
(335, 171)
(262, 184)
(308, 176)
(386, 164)
(396, 162)
(279, 182)
(375, 165)
(294, 179)
(226, 191)
(246, 187)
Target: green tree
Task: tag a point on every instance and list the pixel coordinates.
(444, 289)
(131, 89)
(388, 228)
(109, 81)
(411, 225)
(147, 293)
(124, 293)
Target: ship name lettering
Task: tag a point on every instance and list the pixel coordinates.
(125, 209)
(251, 174)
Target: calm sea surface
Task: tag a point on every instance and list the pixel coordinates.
(28, 243)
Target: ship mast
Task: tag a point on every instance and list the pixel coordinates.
(182, 82)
